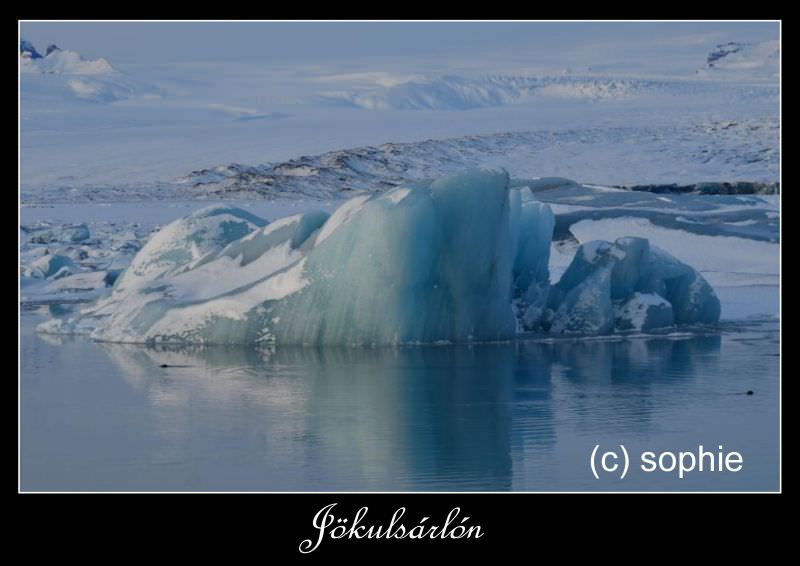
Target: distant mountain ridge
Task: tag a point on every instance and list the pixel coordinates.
(26, 49)
(59, 61)
(723, 50)
(752, 60)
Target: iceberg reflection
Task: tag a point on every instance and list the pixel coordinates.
(444, 418)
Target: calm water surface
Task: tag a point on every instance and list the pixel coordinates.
(522, 416)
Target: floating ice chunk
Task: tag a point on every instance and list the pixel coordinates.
(692, 298)
(80, 286)
(65, 325)
(252, 258)
(66, 235)
(424, 263)
(536, 223)
(48, 266)
(433, 266)
(227, 318)
(589, 258)
(176, 246)
(397, 195)
(463, 258)
(631, 259)
(533, 224)
(639, 279)
(586, 308)
(222, 285)
(531, 306)
(341, 216)
(292, 230)
(643, 312)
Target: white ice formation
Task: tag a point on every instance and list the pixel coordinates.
(463, 258)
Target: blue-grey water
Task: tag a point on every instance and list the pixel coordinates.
(519, 416)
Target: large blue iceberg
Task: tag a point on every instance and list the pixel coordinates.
(463, 258)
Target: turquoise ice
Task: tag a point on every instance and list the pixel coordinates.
(628, 285)
(460, 259)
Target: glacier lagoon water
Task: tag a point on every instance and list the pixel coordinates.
(518, 416)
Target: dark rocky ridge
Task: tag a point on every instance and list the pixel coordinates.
(710, 188)
(26, 47)
(723, 50)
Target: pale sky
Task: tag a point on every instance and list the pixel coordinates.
(149, 42)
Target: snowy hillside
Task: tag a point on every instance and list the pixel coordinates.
(714, 151)
(57, 61)
(462, 93)
(745, 59)
(636, 115)
(62, 76)
(701, 149)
